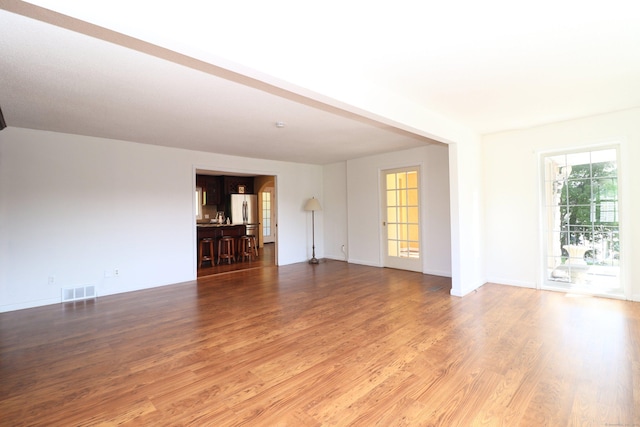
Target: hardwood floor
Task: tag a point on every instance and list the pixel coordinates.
(326, 345)
(265, 258)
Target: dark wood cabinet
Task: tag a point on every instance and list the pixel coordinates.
(216, 188)
(213, 190)
(232, 184)
(210, 189)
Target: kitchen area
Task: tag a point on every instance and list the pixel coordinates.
(232, 214)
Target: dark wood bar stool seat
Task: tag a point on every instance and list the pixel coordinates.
(245, 248)
(226, 249)
(208, 256)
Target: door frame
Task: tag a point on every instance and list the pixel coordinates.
(620, 144)
(198, 168)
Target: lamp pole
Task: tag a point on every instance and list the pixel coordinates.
(313, 259)
(313, 205)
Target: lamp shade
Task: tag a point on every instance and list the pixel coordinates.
(312, 205)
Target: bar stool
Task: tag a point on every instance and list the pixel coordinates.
(245, 250)
(226, 249)
(205, 257)
(254, 244)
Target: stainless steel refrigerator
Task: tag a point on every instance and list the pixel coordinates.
(244, 210)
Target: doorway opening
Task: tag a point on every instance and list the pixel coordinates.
(217, 214)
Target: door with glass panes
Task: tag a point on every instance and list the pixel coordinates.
(401, 218)
(581, 221)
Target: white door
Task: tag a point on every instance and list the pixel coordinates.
(401, 218)
(268, 229)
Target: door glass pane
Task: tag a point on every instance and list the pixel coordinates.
(402, 214)
(391, 198)
(414, 232)
(402, 197)
(412, 197)
(412, 215)
(412, 179)
(402, 200)
(392, 232)
(393, 248)
(392, 216)
(266, 214)
(391, 182)
(401, 180)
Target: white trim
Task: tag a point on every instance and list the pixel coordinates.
(624, 199)
(515, 283)
(439, 273)
(584, 292)
(466, 290)
(29, 304)
(361, 262)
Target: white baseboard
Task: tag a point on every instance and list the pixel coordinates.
(440, 273)
(361, 262)
(508, 282)
(465, 291)
(28, 304)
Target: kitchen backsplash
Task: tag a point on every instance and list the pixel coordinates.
(208, 210)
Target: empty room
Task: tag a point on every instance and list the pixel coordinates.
(342, 213)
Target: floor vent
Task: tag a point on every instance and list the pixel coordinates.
(77, 294)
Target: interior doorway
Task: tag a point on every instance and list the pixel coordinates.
(213, 196)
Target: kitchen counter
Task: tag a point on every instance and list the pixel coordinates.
(207, 225)
(215, 231)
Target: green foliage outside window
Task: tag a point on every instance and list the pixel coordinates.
(589, 205)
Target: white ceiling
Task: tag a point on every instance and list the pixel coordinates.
(216, 76)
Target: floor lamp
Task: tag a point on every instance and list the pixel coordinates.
(313, 205)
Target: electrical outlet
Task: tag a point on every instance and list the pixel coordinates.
(116, 272)
(51, 280)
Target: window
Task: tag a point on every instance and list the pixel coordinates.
(581, 227)
(198, 199)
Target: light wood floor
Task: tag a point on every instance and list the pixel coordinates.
(327, 345)
(266, 258)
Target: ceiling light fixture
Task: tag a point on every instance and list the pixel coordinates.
(279, 124)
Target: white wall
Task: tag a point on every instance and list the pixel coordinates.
(467, 234)
(73, 207)
(335, 211)
(511, 183)
(437, 205)
(363, 210)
